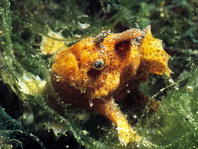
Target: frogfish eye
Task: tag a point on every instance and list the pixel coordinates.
(99, 64)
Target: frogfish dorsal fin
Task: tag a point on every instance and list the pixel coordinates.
(153, 57)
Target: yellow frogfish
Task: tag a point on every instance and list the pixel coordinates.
(93, 73)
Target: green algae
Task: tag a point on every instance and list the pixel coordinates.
(175, 123)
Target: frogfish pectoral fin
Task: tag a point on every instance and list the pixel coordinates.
(110, 110)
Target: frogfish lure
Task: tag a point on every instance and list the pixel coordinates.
(96, 70)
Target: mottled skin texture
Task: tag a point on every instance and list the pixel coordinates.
(93, 73)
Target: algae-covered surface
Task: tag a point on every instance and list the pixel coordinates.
(26, 120)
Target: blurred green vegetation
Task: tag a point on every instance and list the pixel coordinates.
(22, 23)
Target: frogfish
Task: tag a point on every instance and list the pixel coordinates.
(92, 73)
